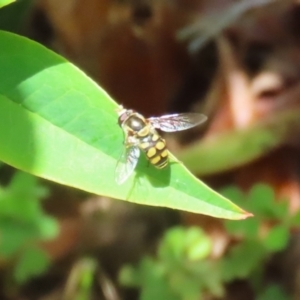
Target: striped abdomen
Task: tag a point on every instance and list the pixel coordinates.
(155, 149)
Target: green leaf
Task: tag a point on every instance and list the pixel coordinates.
(152, 278)
(14, 16)
(48, 227)
(32, 262)
(264, 205)
(183, 285)
(277, 239)
(274, 292)
(181, 244)
(156, 287)
(242, 260)
(22, 219)
(21, 199)
(5, 2)
(171, 248)
(261, 201)
(58, 124)
(295, 219)
(235, 194)
(129, 276)
(14, 235)
(247, 228)
(198, 245)
(236, 148)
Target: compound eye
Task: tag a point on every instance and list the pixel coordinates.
(122, 118)
(124, 115)
(135, 124)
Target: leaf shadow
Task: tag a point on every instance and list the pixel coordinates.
(157, 177)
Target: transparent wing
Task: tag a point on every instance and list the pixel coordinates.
(177, 122)
(126, 164)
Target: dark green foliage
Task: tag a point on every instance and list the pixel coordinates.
(23, 223)
(180, 270)
(183, 268)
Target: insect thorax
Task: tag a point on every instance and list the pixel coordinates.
(137, 125)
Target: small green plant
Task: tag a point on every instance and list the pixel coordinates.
(180, 270)
(271, 292)
(23, 224)
(259, 237)
(183, 268)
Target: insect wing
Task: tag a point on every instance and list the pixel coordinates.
(126, 164)
(177, 122)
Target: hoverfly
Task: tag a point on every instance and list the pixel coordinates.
(140, 135)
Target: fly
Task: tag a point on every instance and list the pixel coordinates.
(140, 134)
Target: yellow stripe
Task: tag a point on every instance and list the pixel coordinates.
(164, 153)
(151, 152)
(160, 145)
(155, 160)
(145, 145)
(143, 132)
(155, 137)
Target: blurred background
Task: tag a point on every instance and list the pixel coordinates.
(236, 61)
